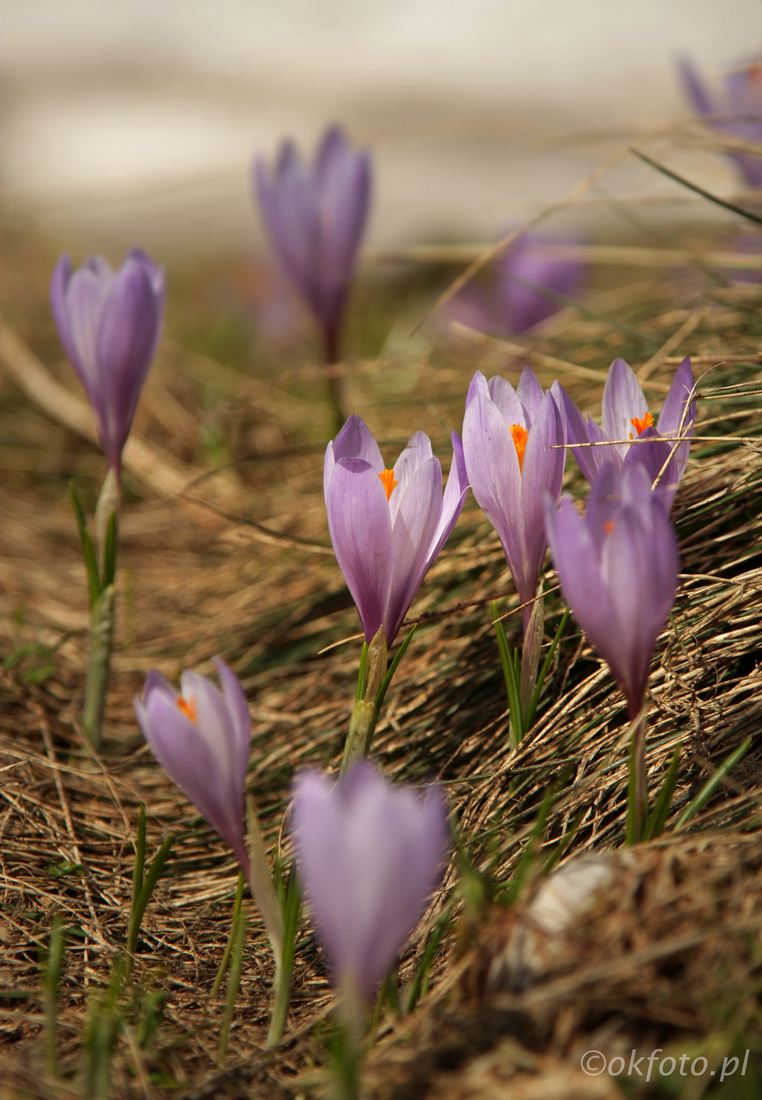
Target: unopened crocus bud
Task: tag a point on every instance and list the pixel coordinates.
(369, 855)
(514, 448)
(388, 526)
(201, 738)
(618, 569)
(315, 215)
(528, 284)
(737, 113)
(628, 434)
(109, 325)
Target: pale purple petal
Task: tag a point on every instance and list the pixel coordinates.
(701, 101)
(493, 473)
(505, 398)
(655, 455)
(479, 385)
(369, 856)
(415, 526)
(355, 440)
(529, 393)
(416, 453)
(543, 471)
(240, 719)
(453, 500)
(360, 526)
(623, 400)
(678, 415)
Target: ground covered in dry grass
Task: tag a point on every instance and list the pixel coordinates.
(224, 550)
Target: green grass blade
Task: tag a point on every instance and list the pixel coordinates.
(231, 937)
(509, 675)
(712, 784)
(534, 702)
(53, 967)
(695, 187)
(150, 880)
(663, 802)
(234, 981)
(91, 561)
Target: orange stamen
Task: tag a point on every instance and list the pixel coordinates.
(754, 76)
(188, 707)
(388, 481)
(641, 425)
(608, 526)
(520, 440)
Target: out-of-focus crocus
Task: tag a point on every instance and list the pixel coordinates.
(109, 325)
(618, 570)
(369, 856)
(514, 447)
(388, 526)
(315, 215)
(201, 738)
(738, 113)
(626, 419)
(529, 284)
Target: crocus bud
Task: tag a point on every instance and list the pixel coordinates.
(315, 215)
(109, 326)
(738, 113)
(528, 284)
(388, 526)
(201, 738)
(514, 448)
(628, 434)
(369, 856)
(618, 569)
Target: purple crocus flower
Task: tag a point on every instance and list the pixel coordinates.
(514, 300)
(315, 216)
(625, 418)
(739, 114)
(514, 447)
(369, 855)
(388, 526)
(109, 326)
(618, 569)
(201, 739)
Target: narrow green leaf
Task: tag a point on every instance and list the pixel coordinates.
(393, 667)
(712, 784)
(421, 980)
(150, 880)
(698, 190)
(361, 673)
(140, 857)
(54, 965)
(663, 802)
(91, 561)
(231, 937)
(534, 702)
(527, 856)
(509, 675)
(234, 981)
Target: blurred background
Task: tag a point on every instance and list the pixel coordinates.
(125, 121)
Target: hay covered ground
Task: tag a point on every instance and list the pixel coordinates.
(224, 550)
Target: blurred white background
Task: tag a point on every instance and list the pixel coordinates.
(127, 121)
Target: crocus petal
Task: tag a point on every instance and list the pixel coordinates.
(453, 500)
(368, 856)
(478, 385)
(577, 564)
(543, 471)
(678, 415)
(700, 99)
(505, 398)
(189, 758)
(529, 393)
(415, 454)
(240, 720)
(493, 473)
(623, 400)
(355, 440)
(415, 526)
(360, 526)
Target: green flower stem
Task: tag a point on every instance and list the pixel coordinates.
(99, 665)
(280, 1000)
(530, 657)
(52, 977)
(362, 723)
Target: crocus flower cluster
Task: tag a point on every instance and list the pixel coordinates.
(109, 326)
(628, 434)
(369, 855)
(528, 285)
(315, 216)
(514, 447)
(738, 113)
(201, 738)
(388, 526)
(618, 570)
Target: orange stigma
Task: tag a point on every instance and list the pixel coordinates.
(520, 439)
(608, 526)
(641, 425)
(754, 76)
(388, 481)
(187, 707)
